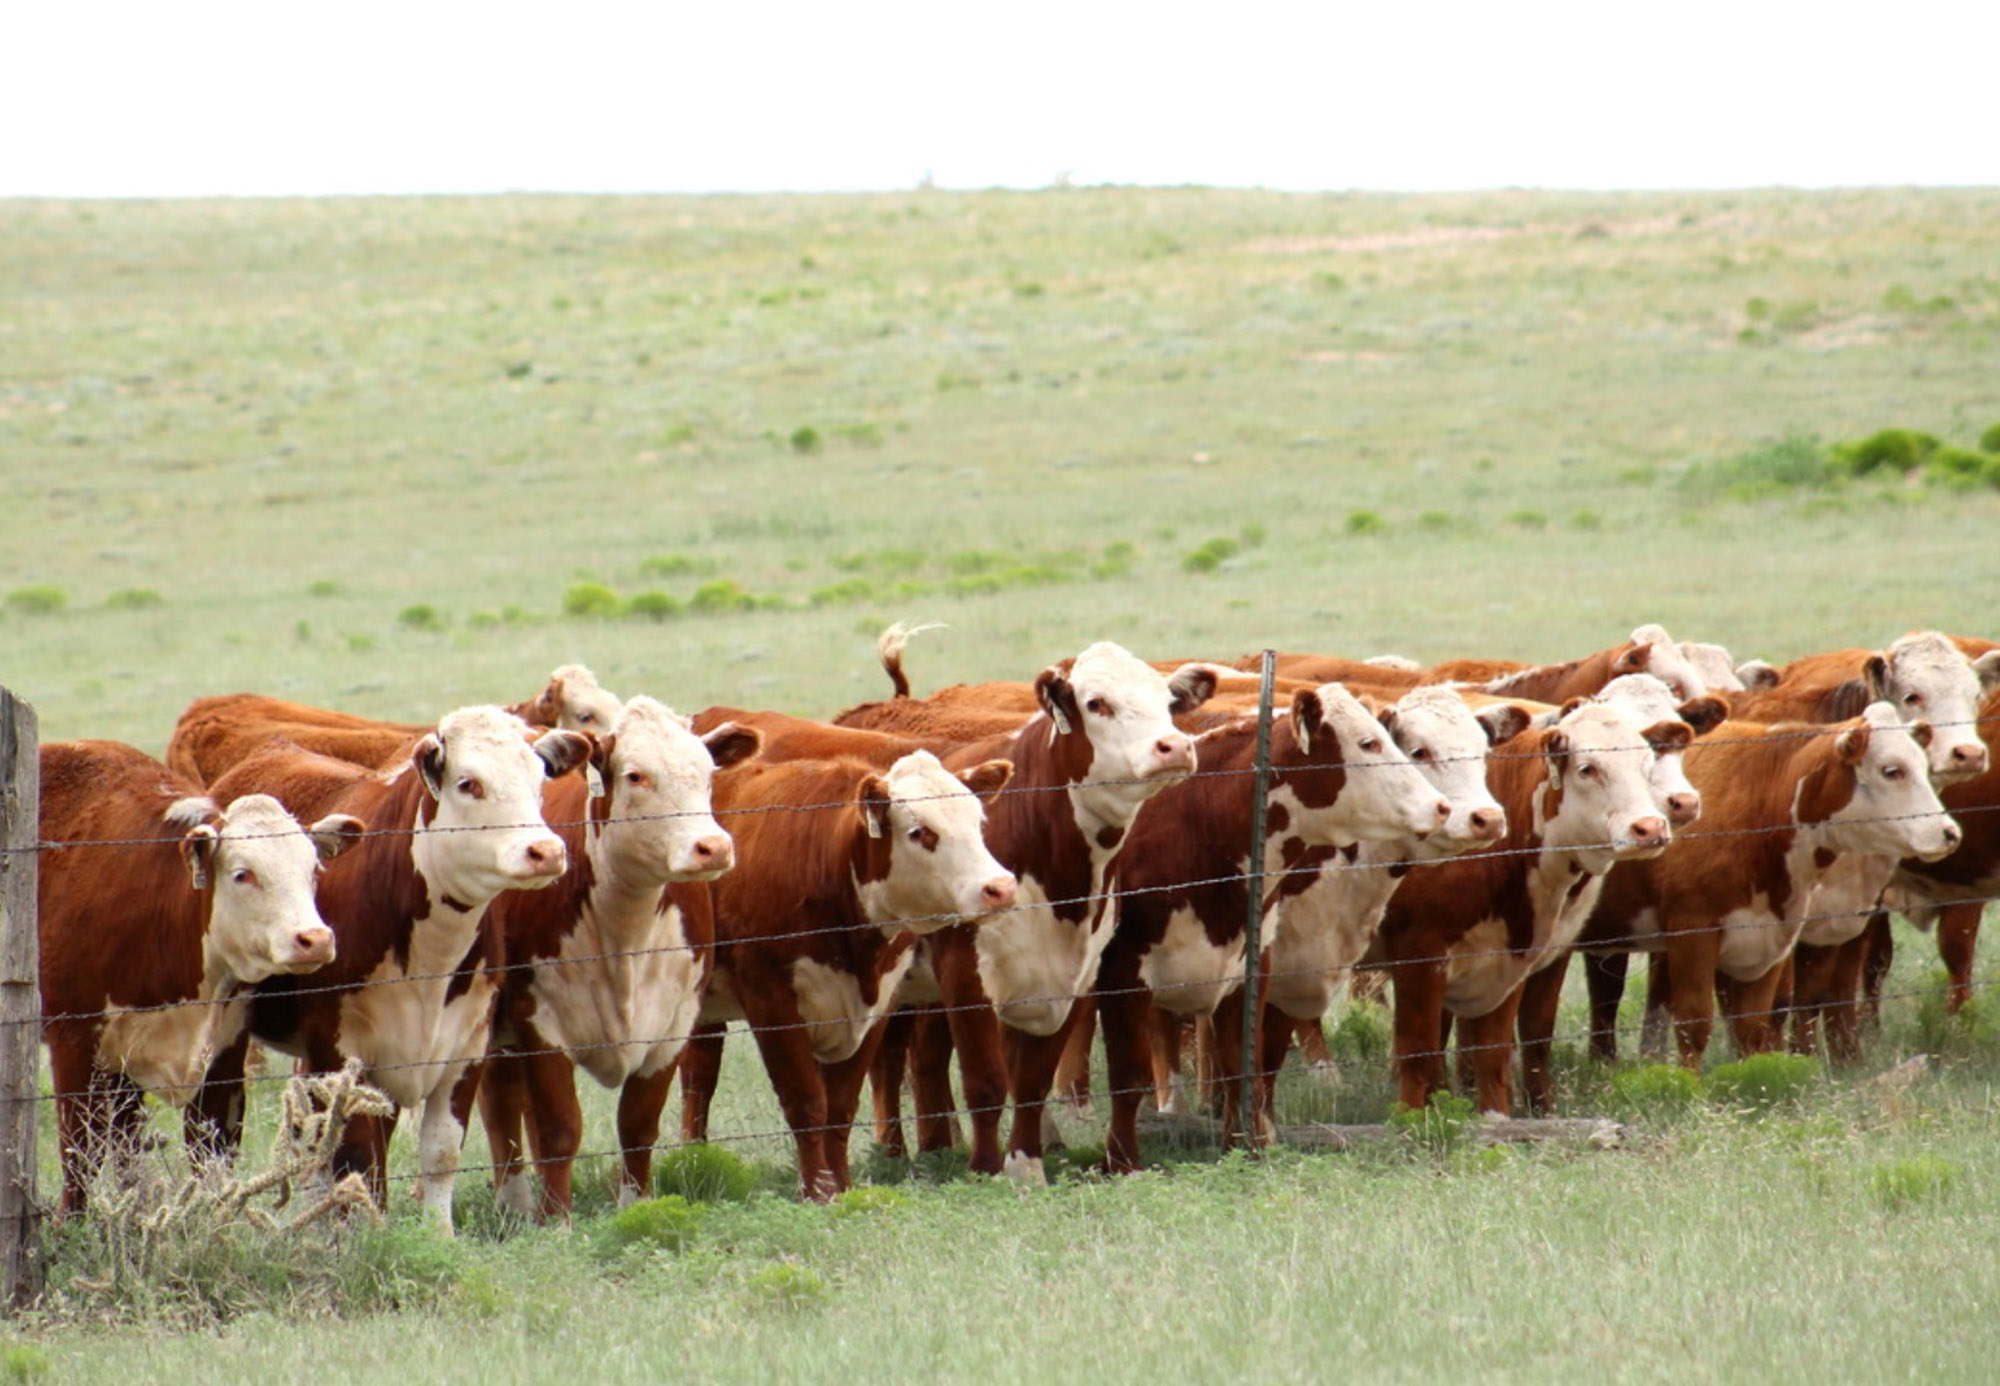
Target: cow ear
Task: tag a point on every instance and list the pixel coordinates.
(335, 833)
(1703, 714)
(1875, 677)
(1987, 666)
(729, 743)
(988, 778)
(1667, 737)
(562, 751)
(1571, 706)
(874, 801)
(1921, 733)
(1372, 705)
(1388, 714)
(428, 757)
(1308, 718)
(548, 707)
(598, 767)
(1556, 748)
(1192, 685)
(198, 850)
(1058, 699)
(1756, 675)
(1503, 722)
(1632, 659)
(1851, 745)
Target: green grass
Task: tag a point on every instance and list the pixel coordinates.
(397, 455)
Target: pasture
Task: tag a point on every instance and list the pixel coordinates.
(394, 456)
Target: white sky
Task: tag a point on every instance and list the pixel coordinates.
(196, 97)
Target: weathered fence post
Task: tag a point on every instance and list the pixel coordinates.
(1253, 929)
(20, 1003)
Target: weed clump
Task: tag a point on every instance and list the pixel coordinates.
(43, 599)
(420, 617)
(806, 439)
(1989, 441)
(670, 1223)
(135, 599)
(1763, 1081)
(1210, 556)
(1365, 522)
(591, 601)
(1892, 449)
(1439, 1128)
(1656, 1090)
(1915, 1179)
(721, 597)
(787, 1286)
(705, 1174)
(653, 606)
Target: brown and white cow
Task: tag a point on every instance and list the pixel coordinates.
(1799, 821)
(606, 968)
(215, 733)
(1648, 650)
(411, 994)
(1463, 935)
(841, 868)
(1337, 779)
(157, 911)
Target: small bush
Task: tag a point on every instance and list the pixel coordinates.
(519, 370)
(1365, 522)
(360, 642)
(787, 1286)
(1989, 441)
(1587, 520)
(1792, 462)
(1436, 522)
(23, 1362)
(653, 606)
(1210, 556)
(1528, 519)
(720, 597)
(420, 617)
(135, 599)
(1763, 1081)
(1959, 468)
(846, 592)
(1893, 449)
(591, 601)
(325, 587)
(705, 1174)
(43, 599)
(1655, 1090)
(674, 565)
(1916, 1179)
(806, 438)
(670, 1223)
(1361, 1035)
(1029, 289)
(1438, 1129)
(868, 1198)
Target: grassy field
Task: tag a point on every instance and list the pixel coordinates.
(399, 455)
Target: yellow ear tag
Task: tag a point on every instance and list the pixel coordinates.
(593, 781)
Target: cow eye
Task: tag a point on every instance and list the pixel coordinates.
(1588, 770)
(243, 875)
(1371, 745)
(471, 788)
(1913, 700)
(1098, 706)
(1892, 772)
(635, 777)
(1421, 753)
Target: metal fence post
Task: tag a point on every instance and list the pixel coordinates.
(20, 1003)
(1253, 929)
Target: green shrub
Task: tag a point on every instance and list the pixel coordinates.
(1989, 441)
(670, 1223)
(1029, 289)
(787, 1285)
(1757, 309)
(653, 606)
(591, 601)
(1252, 535)
(1210, 556)
(420, 617)
(1914, 1179)
(674, 565)
(868, 1198)
(1791, 462)
(805, 438)
(705, 1174)
(1438, 1129)
(1655, 1090)
(1528, 519)
(721, 596)
(846, 592)
(1436, 522)
(1892, 449)
(360, 642)
(1586, 520)
(325, 587)
(518, 370)
(1763, 1081)
(1365, 522)
(1361, 1035)
(135, 599)
(43, 599)
(1959, 468)
(23, 1362)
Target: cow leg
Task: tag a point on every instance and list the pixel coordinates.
(547, 1084)
(1659, 1015)
(1811, 976)
(1843, 1006)
(700, 1068)
(1072, 1084)
(83, 1116)
(1875, 971)
(843, 1081)
(1604, 978)
(1232, 1062)
(640, 1104)
(1125, 1015)
(1275, 1035)
(1419, 1031)
(1957, 936)
(982, 1067)
(1163, 1046)
(503, 1111)
(885, 1082)
(1486, 1042)
(930, 1082)
(440, 1137)
(1313, 1047)
(1207, 1070)
(1540, 1002)
(1691, 992)
(1031, 1062)
(212, 1125)
(795, 1075)
(1752, 1008)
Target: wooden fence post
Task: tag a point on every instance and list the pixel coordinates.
(20, 1003)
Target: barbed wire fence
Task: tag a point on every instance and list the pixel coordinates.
(21, 1017)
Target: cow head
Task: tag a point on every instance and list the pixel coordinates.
(1715, 666)
(1926, 675)
(1598, 802)
(1652, 651)
(1121, 712)
(259, 869)
(1447, 742)
(923, 864)
(573, 701)
(651, 779)
(1647, 702)
(1893, 808)
(484, 779)
(1379, 795)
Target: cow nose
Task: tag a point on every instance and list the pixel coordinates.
(998, 893)
(717, 853)
(1649, 832)
(314, 945)
(1952, 837)
(546, 857)
(1969, 757)
(1487, 823)
(1443, 811)
(1683, 809)
(1175, 751)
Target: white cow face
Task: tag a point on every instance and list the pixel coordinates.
(262, 867)
(1924, 675)
(1598, 802)
(1125, 708)
(1447, 743)
(581, 704)
(928, 866)
(1647, 701)
(656, 778)
(484, 777)
(1715, 666)
(1894, 810)
(1381, 797)
(1662, 658)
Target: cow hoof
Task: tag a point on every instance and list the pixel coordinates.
(1025, 1170)
(516, 1195)
(628, 1194)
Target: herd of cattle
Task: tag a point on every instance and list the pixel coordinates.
(475, 909)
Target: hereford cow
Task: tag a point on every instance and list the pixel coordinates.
(605, 969)
(157, 911)
(215, 733)
(412, 992)
(842, 867)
